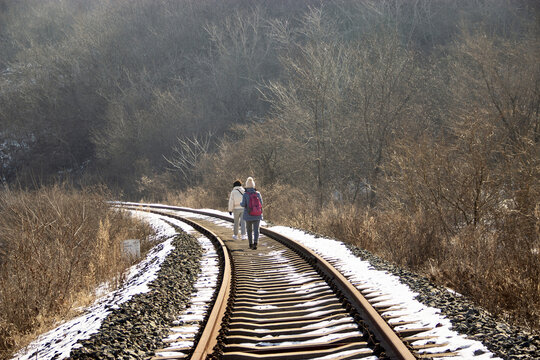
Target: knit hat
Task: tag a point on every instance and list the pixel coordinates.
(250, 183)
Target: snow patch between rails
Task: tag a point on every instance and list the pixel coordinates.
(57, 343)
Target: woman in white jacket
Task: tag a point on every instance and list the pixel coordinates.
(234, 207)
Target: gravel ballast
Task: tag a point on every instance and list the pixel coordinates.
(136, 328)
(505, 341)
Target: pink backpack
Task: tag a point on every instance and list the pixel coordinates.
(255, 206)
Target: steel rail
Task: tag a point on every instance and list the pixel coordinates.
(209, 336)
(390, 341)
(394, 347)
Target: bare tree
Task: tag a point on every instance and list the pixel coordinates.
(497, 79)
(307, 101)
(187, 155)
(383, 76)
(239, 58)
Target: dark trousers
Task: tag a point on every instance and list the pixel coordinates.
(253, 231)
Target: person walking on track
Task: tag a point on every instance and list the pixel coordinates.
(234, 208)
(252, 204)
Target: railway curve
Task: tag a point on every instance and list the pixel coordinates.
(256, 314)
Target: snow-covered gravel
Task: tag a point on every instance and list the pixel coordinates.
(507, 342)
(189, 322)
(59, 342)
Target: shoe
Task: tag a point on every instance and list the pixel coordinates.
(235, 237)
(244, 237)
(254, 247)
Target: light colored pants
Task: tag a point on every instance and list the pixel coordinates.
(239, 219)
(253, 226)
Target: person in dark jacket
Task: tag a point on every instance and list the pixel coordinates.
(252, 221)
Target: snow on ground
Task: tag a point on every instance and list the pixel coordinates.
(58, 342)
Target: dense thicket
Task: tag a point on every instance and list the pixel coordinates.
(107, 87)
(422, 114)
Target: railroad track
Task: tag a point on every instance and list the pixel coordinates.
(283, 301)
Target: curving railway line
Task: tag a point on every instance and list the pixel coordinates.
(284, 301)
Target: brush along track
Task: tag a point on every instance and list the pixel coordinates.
(288, 303)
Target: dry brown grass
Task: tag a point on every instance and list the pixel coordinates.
(197, 197)
(56, 246)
